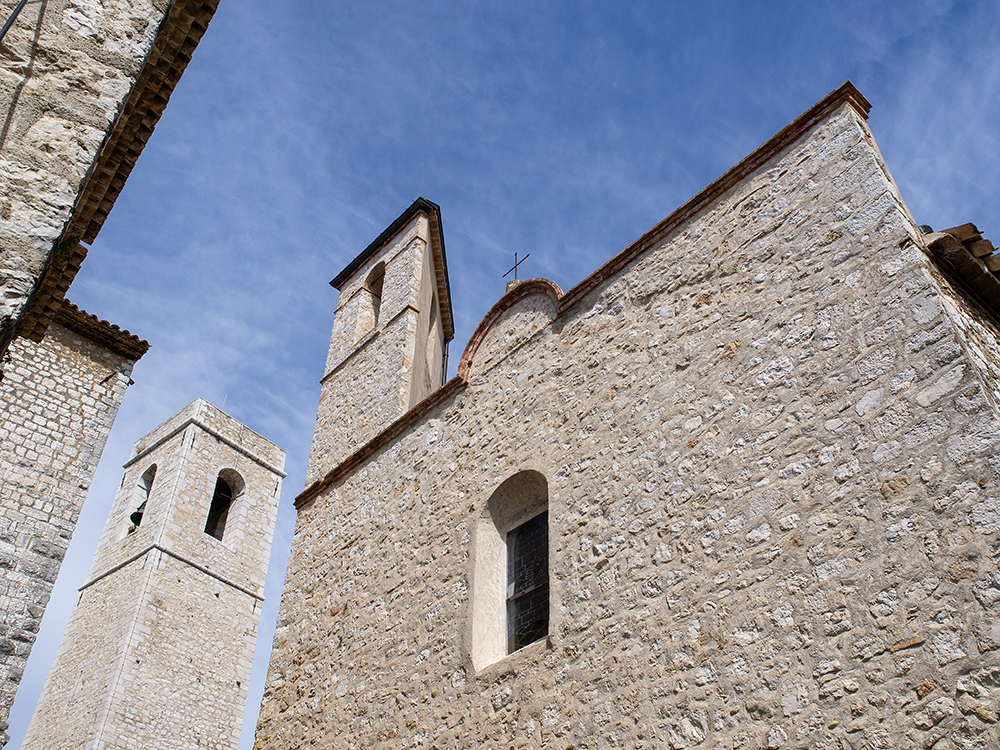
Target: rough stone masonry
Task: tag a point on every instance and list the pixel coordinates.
(57, 404)
(82, 85)
(769, 448)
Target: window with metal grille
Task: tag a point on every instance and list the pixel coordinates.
(528, 582)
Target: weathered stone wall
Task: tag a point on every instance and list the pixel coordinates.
(773, 509)
(59, 400)
(188, 458)
(97, 655)
(373, 374)
(178, 607)
(69, 66)
(152, 657)
(977, 332)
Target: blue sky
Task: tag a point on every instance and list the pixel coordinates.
(560, 129)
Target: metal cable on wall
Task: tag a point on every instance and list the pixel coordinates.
(13, 17)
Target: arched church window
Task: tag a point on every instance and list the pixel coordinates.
(528, 582)
(510, 586)
(228, 487)
(144, 487)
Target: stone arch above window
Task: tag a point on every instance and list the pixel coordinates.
(228, 487)
(141, 496)
(510, 575)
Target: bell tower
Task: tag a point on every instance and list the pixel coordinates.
(158, 650)
(390, 336)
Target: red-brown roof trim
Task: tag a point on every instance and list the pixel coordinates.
(523, 289)
(846, 93)
(106, 334)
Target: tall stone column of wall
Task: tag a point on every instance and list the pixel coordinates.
(59, 399)
(82, 84)
(68, 70)
(772, 500)
(159, 648)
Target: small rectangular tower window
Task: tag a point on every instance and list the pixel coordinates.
(528, 582)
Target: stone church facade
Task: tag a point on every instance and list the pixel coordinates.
(750, 466)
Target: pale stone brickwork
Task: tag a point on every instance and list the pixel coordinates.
(377, 370)
(159, 648)
(59, 400)
(772, 497)
(82, 84)
(82, 58)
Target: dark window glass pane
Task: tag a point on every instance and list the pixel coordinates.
(528, 582)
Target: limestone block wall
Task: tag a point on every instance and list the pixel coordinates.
(152, 657)
(371, 371)
(772, 506)
(96, 659)
(70, 67)
(178, 609)
(977, 332)
(59, 400)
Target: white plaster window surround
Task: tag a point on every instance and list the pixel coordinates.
(519, 499)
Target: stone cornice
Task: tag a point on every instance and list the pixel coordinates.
(179, 35)
(100, 331)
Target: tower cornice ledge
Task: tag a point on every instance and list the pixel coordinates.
(214, 433)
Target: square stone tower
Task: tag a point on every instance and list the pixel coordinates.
(390, 336)
(158, 651)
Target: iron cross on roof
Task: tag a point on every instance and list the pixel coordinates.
(516, 264)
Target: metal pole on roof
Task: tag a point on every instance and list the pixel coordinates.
(10, 21)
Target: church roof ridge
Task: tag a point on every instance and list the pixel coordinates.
(846, 93)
